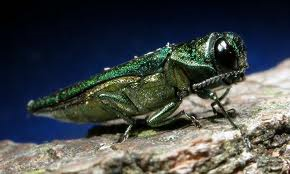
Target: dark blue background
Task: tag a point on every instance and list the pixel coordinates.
(51, 45)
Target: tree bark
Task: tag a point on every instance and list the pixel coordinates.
(262, 105)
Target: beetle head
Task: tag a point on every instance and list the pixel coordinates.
(229, 55)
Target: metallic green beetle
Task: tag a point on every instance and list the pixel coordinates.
(155, 82)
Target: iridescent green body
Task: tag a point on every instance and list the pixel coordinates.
(155, 82)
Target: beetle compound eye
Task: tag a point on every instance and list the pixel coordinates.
(225, 55)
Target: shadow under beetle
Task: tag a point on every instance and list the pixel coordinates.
(153, 83)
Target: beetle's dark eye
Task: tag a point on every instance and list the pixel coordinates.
(225, 55)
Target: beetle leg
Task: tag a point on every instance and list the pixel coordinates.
(126, 134)
(164, 115)
(205, 93)
(213, 96)
(246, 139)
(121, 106)
(213, 104)
(192, 117)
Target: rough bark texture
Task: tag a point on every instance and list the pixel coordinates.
(262, 104)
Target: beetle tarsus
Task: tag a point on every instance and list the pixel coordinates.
(247, 142)
(193, 119)
(217, 114)
(126, 134)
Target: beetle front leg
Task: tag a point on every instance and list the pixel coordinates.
(213, 104)
(206, 93)
(213, 96)
(246, 139)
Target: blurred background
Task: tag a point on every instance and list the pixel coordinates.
(47, 45)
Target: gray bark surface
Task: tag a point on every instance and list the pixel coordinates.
(262, 104)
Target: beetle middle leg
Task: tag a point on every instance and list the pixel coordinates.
(120, 105)
(165, 115)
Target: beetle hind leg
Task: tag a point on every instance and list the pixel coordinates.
(121, 106)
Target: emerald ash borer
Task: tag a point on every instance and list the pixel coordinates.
(153, 84)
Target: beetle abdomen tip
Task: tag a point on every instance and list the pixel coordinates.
(30, 105)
